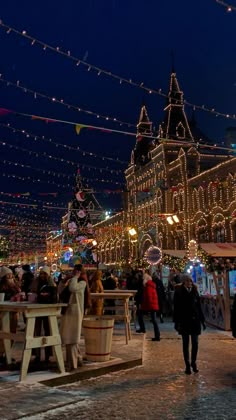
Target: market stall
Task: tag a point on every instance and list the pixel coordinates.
(218, 284)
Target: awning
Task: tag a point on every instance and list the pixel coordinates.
(179, 253)
(220, 249)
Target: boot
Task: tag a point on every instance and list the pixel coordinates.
(188, 369)
(194, 367)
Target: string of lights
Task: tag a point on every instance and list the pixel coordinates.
(51, 182)
(69, 162)
(56, 174)
(46, 119)
(100, 71)
(64, 146)
(26, 213)
(78, 126)
(28, 196)
(228, 7)
(62, 102)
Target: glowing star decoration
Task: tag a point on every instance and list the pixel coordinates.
(80, 196)
(72, 227)
(81, 214)
(153, 255)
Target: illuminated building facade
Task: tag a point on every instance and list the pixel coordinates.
(177, 189)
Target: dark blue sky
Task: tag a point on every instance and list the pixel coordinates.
(131, 38)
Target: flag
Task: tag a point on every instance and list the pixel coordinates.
(78, 128)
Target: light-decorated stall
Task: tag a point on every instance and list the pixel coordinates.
(212, 267)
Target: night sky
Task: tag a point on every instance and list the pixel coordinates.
(131, 38)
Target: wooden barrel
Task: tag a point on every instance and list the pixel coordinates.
(98, 338)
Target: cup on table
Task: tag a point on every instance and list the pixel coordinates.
(22, 296)
(32, 297)
(2, 297)
(18, 297)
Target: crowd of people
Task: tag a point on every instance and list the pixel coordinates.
(180, 299)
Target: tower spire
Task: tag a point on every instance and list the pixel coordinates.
(175, 125)
(144, 139)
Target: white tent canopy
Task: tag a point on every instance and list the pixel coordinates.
(179, 253)
(220, 249)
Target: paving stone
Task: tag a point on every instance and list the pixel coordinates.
(159, 389)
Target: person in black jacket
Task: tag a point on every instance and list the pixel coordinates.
(188, 318)
(26, 280)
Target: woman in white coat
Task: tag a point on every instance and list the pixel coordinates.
(71, 322)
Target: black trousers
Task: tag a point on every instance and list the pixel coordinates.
(154, 322)
(194, 349)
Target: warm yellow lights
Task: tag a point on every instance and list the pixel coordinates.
(175, 218)
(132, 232)
(170, 220)
(94, 242)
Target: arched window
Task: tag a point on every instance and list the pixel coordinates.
(180, 131)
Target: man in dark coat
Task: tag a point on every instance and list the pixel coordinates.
(188, 318)
(27, 279)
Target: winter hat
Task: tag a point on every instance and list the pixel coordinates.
(4, 271)
(26, 267)
(45, 269)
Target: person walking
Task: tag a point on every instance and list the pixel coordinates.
(71, 322)
(149, 304)
(188, 319)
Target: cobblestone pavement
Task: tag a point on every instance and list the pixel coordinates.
(160, 389)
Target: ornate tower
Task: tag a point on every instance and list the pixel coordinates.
(144, 139)
(175, 125)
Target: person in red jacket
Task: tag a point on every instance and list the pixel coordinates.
(149, 304)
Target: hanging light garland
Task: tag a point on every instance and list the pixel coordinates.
(57, 174)
(100, 71)
(63, 160)
(229, 7)
(62, 102)
(64, 146)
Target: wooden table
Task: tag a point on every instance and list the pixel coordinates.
(124, 296)
(132, 304)
(31, 311)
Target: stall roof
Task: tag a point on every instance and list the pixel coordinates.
(220, 249)
(179, 253)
